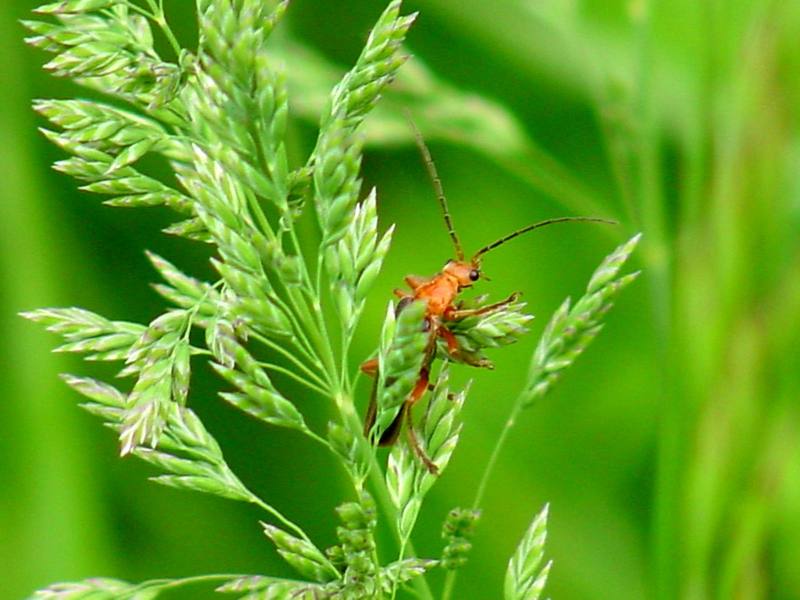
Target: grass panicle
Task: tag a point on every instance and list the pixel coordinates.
(567, 335)
(192, 459)
(95, 587)
(338, 150)
(216, 116)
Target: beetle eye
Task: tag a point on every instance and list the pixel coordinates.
(474, 275)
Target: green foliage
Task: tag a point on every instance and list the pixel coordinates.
(217, 117)
(525, 577)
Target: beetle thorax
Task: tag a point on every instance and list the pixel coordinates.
(440, 292)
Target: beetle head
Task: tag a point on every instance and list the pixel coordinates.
(465, 273)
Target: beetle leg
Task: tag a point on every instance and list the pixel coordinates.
(455, 351)
(456, 314)
(413, 442)
(420, 388)
(419, 391)
(372, 410)
(415, 281)
(450, 339)
(370, 367)
(392, 432)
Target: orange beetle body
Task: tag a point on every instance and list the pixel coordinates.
(441, 290)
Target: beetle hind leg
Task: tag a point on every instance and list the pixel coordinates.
(416, 447)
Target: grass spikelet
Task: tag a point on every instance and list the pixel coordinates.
(526, 577)
(572, 328)
(402, 349)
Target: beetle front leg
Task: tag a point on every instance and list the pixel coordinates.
(458, 314)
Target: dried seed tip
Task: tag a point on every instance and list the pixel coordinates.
(142, 425)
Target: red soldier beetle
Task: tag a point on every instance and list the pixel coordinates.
(440, 292)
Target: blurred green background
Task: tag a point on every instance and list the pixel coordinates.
(670, 453)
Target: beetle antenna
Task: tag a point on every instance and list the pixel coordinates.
(533, 226)
(437, 186)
